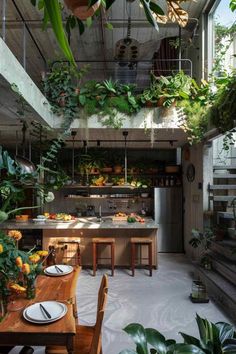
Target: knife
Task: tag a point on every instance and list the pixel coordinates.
(45, 311)
(59, 270)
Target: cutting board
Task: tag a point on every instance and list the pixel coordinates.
(119, 218)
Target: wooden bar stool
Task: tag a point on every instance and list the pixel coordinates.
(107, 242)
(139, 242)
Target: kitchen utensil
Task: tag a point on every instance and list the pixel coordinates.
(66, 269)
(34, 313)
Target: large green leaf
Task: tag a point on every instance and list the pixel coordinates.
(137, 333)
(232, 5)
(8, 163)
(148, 13)
(128, 351)
(156, 8)
(226, 331)
(189, 339)
(54, 14)
(109, 3)
(229, 346)
(156, 339)
(186, 349)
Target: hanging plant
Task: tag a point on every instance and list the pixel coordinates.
(87, 9)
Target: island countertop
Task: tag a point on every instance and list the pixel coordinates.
(80, 223)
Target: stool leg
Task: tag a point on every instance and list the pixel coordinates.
(79, 256)
(112, 258)
(132, 258)
(94, 258)
(150, 258)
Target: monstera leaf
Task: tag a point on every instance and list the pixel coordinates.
(176, 14)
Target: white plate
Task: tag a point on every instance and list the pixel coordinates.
(34, 314)
(67, 269)
(58, 220)
(39, 220)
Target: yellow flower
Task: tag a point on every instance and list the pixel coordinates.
(34, 258)
(25, 268)
(16, 288)
(15, 234)
(42, 253)
(1, 248)
(19, 262)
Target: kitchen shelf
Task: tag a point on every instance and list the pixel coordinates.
(107, 197)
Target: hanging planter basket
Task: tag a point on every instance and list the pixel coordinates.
(80, 8)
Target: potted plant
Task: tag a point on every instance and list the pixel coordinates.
(214, 338)
(232, 230)
(204, 240)
(53, 13)
(82, 8)
(165, 91)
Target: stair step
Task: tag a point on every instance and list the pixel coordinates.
(224, 248)
(224, 267)
(224, 175)
(219, 290)
(229, 167)
(222, 198)
(225, 215)
(213, 187)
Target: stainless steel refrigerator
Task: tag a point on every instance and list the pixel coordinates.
(168, 215)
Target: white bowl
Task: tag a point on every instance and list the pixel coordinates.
(144, 195)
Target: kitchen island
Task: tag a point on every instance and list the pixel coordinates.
(86, 228)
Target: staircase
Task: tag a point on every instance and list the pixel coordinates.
(221, 279)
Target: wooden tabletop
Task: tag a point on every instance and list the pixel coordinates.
(15, 330)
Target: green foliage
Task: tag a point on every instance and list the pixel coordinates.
(170, 89)
(52, 14)
(106, 99)
(232, 5)
(52, 10)
(204, 240)
(215, 338)
(201, 238)
(223, 110)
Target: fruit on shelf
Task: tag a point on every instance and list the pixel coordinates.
(61, 217)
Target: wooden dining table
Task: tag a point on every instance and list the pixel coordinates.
(15, 330)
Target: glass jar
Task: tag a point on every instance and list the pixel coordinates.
(31, 288)
(199, 290)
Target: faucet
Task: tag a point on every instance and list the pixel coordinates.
(100, 214)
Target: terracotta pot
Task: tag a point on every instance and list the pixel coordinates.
(149, 104)
(80, 8)
(118, 169)
(160, 101)
(107, 169)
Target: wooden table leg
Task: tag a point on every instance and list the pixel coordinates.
(70, 345)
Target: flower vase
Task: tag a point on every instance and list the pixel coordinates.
(31, 288)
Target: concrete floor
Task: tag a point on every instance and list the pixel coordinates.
(161, 302)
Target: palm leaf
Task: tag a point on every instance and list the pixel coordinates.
(54, 14)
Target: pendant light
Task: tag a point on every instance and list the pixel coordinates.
(126, 184)
(125, 134)
(73, 134)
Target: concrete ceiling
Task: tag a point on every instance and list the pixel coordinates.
(96, 43)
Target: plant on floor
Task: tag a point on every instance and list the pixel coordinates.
(215, 338)
(204, 240)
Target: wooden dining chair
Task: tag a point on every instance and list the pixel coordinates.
(88, 339)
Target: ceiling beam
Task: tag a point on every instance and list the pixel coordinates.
(14, 73)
